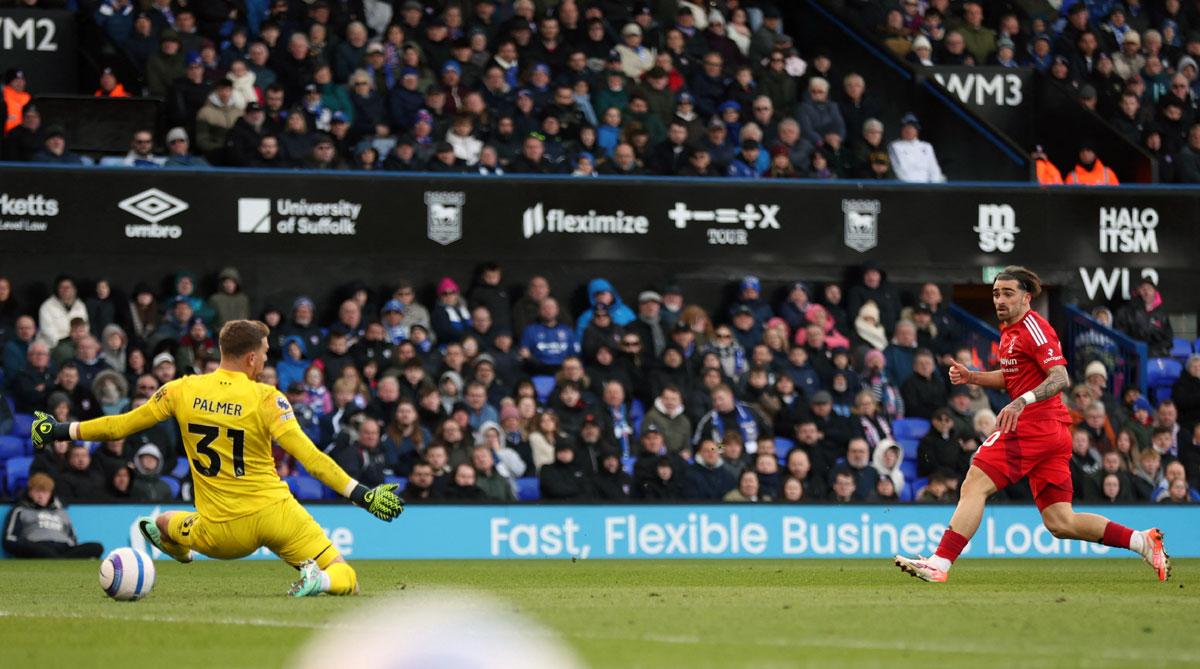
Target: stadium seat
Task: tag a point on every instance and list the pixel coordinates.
(910, 428)
(304, 487)
(173, 484)
(543, 385)
(181, 468)
(909, 469)
(783, 446)
(916, 485)
(1161, 374)
(22, 425)
(398, 480)
(11, 447)
(528, 489)
(906, 493)
(1181, 349)
(910, 448)
(16, 473)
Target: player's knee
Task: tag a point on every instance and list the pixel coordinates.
(343, 580)
(1060, 527)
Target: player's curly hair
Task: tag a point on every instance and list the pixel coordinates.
(240, 337)
(1029, 281)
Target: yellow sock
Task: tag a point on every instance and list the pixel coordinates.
(342, 579)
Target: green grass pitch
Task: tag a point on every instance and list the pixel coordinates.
(688, 614)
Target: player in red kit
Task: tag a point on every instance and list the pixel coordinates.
(1032, 438)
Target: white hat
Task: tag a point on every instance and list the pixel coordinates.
(1096, 367)
(161, 358)
(921, 42)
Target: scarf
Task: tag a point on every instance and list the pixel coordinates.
(745, 424)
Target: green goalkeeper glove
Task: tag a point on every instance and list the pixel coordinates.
(381, 501)
(46, 430)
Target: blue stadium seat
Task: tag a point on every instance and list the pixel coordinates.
(16, 473)
(181, 468)
(783, 446)
(543, 385)
(909, 469)
(173, 484)
(528, 489)
(305, 487)
(1161, 374)
(1181, 348)
(910, 448)
(910, 428)
(11, 447)
(398, 480)
(916, 486)
(906, 494)
(22, 425)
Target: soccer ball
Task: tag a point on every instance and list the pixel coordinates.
(127, 574)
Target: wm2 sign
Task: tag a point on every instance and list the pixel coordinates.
(28, 33)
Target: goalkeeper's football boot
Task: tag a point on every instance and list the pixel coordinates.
(921, 569)
(309, 582)
(149, 529)
(1155, 554)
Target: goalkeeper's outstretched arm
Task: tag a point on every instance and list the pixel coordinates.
(107, 428)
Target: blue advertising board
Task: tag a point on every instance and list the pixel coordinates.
(678, 531)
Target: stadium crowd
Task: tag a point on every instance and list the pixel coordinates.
(488, 87)
(810, 397)
(1132, 63)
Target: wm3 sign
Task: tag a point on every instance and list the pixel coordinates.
(1001, 96)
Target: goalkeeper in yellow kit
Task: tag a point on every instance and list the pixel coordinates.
(228, 421)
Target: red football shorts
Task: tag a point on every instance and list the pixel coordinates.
(1040, 450)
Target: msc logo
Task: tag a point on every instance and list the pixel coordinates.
(997, 228)
(254, 215)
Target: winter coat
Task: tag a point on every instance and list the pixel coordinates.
(675, 427)
(621, 314)
(29, 523)
(707, 484)
(894, 473)
(561, 481)
(820, 118)
(213, 121)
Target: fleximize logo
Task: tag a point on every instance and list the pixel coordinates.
(537, 220)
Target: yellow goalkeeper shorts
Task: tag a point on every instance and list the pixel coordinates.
(286, 528)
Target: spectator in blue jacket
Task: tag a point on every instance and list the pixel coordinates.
(294, 363)
(116, 17)
(600, 291)
(451, 317)
(707, 479)
(750, 296)
(405, 100)
(819, 115)
(546, 343)
(744, 164)
(709, 84)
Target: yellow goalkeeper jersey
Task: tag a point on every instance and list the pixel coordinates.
(228, 423)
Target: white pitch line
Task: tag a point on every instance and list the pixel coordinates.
(865, 644)
(253, 622)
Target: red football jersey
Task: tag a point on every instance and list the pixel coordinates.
(1028, 349)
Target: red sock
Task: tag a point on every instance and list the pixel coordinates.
(1117, 536)
(951, 545)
